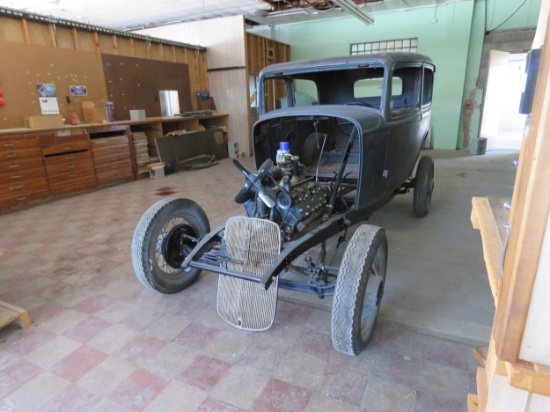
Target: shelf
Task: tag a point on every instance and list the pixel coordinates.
(490, 217)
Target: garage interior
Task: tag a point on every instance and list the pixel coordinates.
(461, 326)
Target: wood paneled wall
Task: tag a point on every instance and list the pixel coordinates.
(226, 61)
(261, 52)
(232, 56)
(27, 31)
(224, 38)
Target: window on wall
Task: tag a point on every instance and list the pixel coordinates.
(401, 45)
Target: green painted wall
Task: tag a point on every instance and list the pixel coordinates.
(452, 35)
(497, 19)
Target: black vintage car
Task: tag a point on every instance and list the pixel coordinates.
(341, 141)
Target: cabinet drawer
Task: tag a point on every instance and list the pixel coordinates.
(110, 141)
(20, 154)
(67, 158)
(81, 173)
(102, 160)
(9, 190)
(22, 199)
(20, 164)
(88, 183)
(111, 150)
(70, 166)
(21, 175)
(53, 140)
(16, 144)
(115, 176)
(65, 147)
(120, 165)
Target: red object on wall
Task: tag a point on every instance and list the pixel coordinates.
(1, 92)
(2, 101)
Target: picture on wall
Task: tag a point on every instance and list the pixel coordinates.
(78, 90)
(47, 98)
(46, 89)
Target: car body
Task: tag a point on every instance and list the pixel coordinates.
(336, 140)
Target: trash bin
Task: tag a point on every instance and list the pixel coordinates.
(478, 146)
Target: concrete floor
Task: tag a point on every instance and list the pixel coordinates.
(100, 341)
(436, 279)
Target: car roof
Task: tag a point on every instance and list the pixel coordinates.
(381, 59)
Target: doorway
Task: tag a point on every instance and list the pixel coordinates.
(502, 124)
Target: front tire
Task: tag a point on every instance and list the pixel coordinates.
(160, 246)
(359, 290)
(423, 187)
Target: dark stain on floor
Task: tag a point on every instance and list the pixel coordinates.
(165, 191)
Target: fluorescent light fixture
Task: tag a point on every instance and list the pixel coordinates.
(351, 7)
(277, 14)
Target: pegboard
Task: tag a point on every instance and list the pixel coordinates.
(134, 84)
(22, 67)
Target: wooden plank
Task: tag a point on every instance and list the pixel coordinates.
(10, 30)
(482, 389)
(64, 37)
(173, 54)
(132, 52)
(114, 44)
(51, 35)
(76, 42)
(523, 375)
(472, 402)
(528, 224)
(10, 313)
(483, 219)
(25, 29)
(480, 354)
(95, 42)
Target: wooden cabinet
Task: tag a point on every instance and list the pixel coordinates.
(22, 174)
(68, 161)
(55, 161)
(112, 154)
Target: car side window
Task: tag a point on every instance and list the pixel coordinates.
(427, 89)
(405, 85)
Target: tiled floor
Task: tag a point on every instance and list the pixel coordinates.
(100, 341)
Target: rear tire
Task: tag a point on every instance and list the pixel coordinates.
(359, 290)
(159, 246)
(423, 187)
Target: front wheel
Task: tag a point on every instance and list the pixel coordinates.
(359, 290)
(163, 239)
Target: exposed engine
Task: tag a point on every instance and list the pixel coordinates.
(299, 206)
(295, 202)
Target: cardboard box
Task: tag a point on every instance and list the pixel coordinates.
(94, 112)
(137, 115)
(44, 121)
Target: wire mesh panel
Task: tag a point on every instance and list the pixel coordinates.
(256, 243)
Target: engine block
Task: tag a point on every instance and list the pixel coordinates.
(307, 201)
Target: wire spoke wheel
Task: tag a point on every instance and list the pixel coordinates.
(172, 246)
(163, 238)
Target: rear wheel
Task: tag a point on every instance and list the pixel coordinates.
(359, 290)
(423, 186)
(162, 241)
